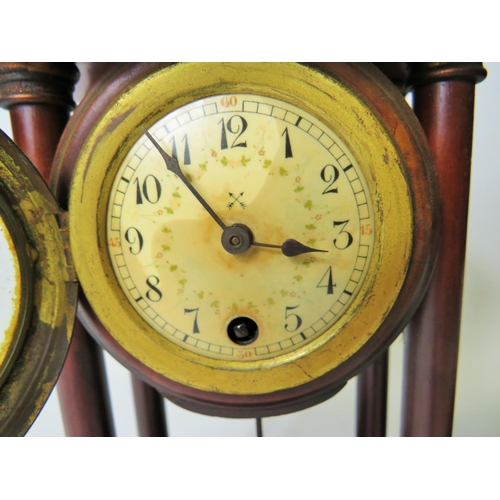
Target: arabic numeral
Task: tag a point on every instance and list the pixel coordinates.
(195, 325)
(187, 156)
(150, 189)
(326, 281)
(330, 173)
(288, 146)
(134, 237)
(153, 294)
(295, 323)
(345, 238)
(235, 125)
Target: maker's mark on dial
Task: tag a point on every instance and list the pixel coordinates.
(236, 199)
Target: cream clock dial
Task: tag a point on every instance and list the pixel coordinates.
(270, 173)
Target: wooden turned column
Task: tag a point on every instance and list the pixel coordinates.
(149, 410)
(39, 99)
(444, 104)
(371, 402)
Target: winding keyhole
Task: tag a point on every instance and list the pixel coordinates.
(243, 330)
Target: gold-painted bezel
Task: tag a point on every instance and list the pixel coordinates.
(332, 101)
(48, 288)
(13, 336)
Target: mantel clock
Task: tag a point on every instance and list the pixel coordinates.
(248, 236)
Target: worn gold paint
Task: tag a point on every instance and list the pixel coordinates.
(49, 292)
(330, 102)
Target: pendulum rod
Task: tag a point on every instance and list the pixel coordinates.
(258, 421)
(371, 402)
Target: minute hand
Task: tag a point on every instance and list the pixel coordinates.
(173, 165)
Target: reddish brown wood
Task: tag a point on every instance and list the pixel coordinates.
(398, 73)
(149, 410)
(37, 83)
(372, 398)
(39, 98)
(83, 391)
(28, 122)
(445, 109)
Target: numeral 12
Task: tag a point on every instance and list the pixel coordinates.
(235, 125)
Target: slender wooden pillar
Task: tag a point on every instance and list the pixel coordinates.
(444, 104)
(39, 98)
(149, 410)
(83, 389)
(371, 403)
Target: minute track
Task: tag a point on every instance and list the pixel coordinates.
(173, 241)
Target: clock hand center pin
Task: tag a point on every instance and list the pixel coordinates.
(237, 238)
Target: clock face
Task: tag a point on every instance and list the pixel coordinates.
(270, 166)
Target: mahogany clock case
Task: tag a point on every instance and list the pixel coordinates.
(384, 102)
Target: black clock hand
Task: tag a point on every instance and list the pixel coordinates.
(233, 242)
(173, 166)
(290, 248)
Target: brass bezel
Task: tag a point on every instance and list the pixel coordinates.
(331, 101)
(14, 335)
(50, 287)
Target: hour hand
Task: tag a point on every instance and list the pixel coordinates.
(290, 247)
(173, 166)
